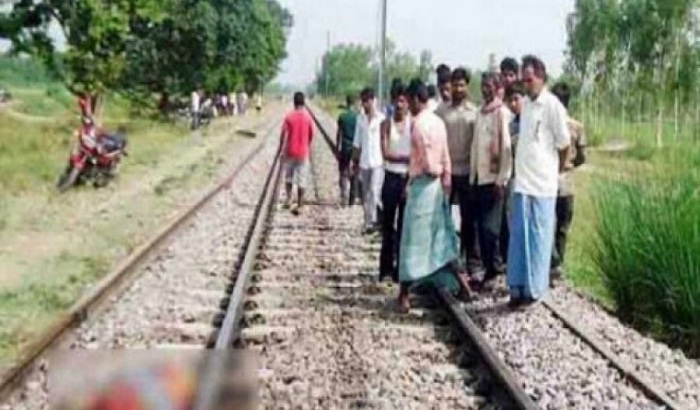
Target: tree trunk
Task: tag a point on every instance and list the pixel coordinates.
(97, 101)
(676, 107)
(659, 126)
(624, 117)
(697, 114)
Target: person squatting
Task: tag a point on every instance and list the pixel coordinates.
(507, 164)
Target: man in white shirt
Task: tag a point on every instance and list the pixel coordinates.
(543, 147)
(368, 153)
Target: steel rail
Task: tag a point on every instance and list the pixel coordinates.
(498, 367)
(502, 372)
(624, 368)
(122, 275)
(207, 391)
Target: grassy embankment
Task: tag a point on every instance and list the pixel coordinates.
(52, 247)
(635, 243)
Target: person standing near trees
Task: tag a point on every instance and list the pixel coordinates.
(295, 141)
(491, 168)
(459, 115)
(565, 195)
(347, 123)
(196, 101)
(368, 154)
(396, 147)
(543, 148)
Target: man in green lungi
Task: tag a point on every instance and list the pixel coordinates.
(429, 249)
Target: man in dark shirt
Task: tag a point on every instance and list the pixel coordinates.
(347, 121)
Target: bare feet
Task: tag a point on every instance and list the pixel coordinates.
(465, 291)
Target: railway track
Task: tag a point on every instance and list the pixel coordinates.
(238, 270)
(326, 332)
(168, 292)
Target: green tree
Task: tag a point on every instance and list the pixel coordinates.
(346, 69)
(219, 44)
(96, 33)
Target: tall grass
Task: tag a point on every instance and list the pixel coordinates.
(647, 247)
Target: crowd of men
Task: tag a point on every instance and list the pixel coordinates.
(506, 164)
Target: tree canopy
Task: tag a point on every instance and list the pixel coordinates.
(347, 68)
(146, 46)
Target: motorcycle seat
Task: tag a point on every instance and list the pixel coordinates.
(114, 142)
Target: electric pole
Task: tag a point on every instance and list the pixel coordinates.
(326, 67)
(382, 54)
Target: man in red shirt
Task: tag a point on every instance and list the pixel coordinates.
(295, 142)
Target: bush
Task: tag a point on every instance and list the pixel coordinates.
(647, 250)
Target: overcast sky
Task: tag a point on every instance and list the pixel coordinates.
(459, 32)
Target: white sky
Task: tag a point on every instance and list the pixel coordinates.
(458, 32)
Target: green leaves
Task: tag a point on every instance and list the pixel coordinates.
(351, 67)
(146, 46)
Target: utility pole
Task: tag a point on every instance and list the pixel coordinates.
(382, 54)
(328, 50)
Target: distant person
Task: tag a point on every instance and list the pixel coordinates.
(196, 102)
(444, 83)
(459, 115)
(347, 123)
(225, 104)
(242, 102)
(491, 167)
(259, 103)
(565, 195)
(542, 153)
(396, 147)
(429, 254)
(433, 98)
(368, 153)
(295, 141)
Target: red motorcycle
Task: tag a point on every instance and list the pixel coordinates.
(95, 157)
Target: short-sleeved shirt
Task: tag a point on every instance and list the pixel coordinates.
(543, 132)
(347, 122)
(299, 130)
(429, 152)
(368, 140)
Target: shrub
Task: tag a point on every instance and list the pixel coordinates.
(647, 250)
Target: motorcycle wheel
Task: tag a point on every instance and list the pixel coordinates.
(101, 180)
(68, 179)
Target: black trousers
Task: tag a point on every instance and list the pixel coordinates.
(348, 183)
(462, 193)
(565, 215)
(394, 203)
(504, 239)
(489, 215)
